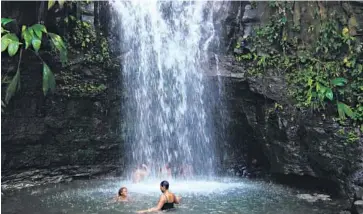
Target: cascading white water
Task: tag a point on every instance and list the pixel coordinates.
(166, 55)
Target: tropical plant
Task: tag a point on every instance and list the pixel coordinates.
(30, 39)
(327, 72)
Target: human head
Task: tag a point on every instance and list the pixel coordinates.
(164, 185)
(122, 192)
(168, 165)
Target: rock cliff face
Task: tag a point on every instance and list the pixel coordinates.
(294, 146)
(72, 134)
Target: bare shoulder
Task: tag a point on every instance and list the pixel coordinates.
(162, 198)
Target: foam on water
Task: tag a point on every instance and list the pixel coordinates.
(185, 187)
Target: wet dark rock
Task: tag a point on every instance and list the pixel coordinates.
(293, 145)
(286, 141)
(249, 14)
(55, 175)
(72, 134)
(357, 207)
(358, 193)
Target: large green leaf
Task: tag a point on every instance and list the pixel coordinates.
(348, 111)
(344, 109)
(13, 44)
(57, 41)
(13, 87)
(60, 46)
(5, 42)
(48, 80)
(36, 43)
(340, 81)
(31, 31)
(38, 29)
(5, 21)
(51, 3)
(341, 111)
(27, 37)
(329, 94)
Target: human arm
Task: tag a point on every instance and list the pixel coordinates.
(177, 199)
(154, 209)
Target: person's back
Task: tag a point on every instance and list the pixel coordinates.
(166, 200)
(170, 200)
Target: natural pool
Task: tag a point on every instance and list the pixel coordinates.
(223, 195)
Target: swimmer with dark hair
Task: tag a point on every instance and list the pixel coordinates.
(166, 200)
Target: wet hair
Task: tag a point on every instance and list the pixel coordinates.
(165, 184)
(120, 190)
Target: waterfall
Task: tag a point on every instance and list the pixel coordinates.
(165, 45)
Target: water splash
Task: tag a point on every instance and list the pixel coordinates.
(166, 118)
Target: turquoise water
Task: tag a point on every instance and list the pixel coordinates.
(209, 196)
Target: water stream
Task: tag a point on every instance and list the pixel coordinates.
(166, 45)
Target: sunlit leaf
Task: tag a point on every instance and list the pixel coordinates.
(13, 87)
(36, 43)
(348, 111)
(38, 29)
(340, 81)
(329, 94)
(4, 42)
(31, 31)
(344, 109)
(341, 111)
(61, 2)
(60, 46)
(57, 41)
(27, 37)
(50, 4)
(13, 44)
(5, 21)
(48, 80)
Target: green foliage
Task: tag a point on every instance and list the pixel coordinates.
(13, 87)
(5, 21)
(51, 3)
(31, 36)
(48, 80)
(60, 46)
(325, 73)
(349, 136)
(82, 36)
(11, 42)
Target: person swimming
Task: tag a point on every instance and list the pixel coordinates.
(140, 173)
(166, 200)
(165, 172)
(122, 194)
